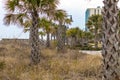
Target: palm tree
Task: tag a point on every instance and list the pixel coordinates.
(46, 25)
(94, 25)
(59, 16)
(30, 10)
(67, 22)
(73, 34)
(110, 40)
(54, 31)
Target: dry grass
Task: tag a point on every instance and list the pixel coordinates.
(14, 64)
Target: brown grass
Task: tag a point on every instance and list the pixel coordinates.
(14, 64)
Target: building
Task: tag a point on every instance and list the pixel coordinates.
(91, 11)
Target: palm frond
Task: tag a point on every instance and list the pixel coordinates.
(15, 19)
(27, 24)
(11, 5)
(60, 15)
(9, 19)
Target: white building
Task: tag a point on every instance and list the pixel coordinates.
(91, 11)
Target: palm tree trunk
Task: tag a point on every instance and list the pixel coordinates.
(51, 37)
(41, 37)
(34, 39)
(54, 37)
(60, 39)
(110, 41)
(64, 33)
(48, 40)
(67, 41)
(96, 40)
(73, 42)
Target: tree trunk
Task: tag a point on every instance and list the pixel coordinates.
(60, 39)
(54, 37)
(48, 40)
(34, 39)
(67, 41)
(73, 42)
(96, 41)
(96, 37)
(51, 37)
(41, 37)
(110, 41)
(64, 33)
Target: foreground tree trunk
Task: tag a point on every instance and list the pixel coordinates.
(110, 41)
(34, 39)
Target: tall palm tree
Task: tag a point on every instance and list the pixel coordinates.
(110, 40)
(54, 31)
(59, 16)
(67, 22)
(74, 34)
(31, 9)
(94, 25)
(46, 25)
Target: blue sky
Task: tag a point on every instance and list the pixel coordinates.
(76, 8)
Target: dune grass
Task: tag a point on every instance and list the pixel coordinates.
(14, 64)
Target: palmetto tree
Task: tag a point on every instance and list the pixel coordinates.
(94, 25)
(67, 22)
(110, 40)
(46, 25)
(77, 36)
(60, 16)
(29, 10)
(54, 31)
(73, 35)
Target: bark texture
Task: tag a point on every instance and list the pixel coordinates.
(48, 40)
(34, 39)
(60, 39)
(110, 41)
